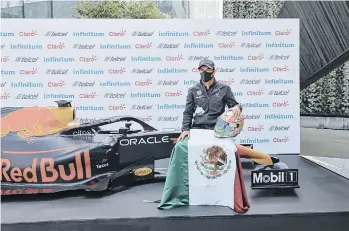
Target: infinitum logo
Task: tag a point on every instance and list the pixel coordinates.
(27, 59)
(172, 71)
(60, 83)
(254, 69)
(173, 34)
(198, 45)
(275, 128)
(228, 57)
(27, 96)
(278, 117)
(7, 34)
(279, 45)
(250, 81)
(141, 107)
(190, 82)
(142, 33)
(88, 34)
(56, 71)
(279, 92)
(281, 140)
(281, 104)
(57, 46)
(226, 45)
(255, 33)
(279, 81)
(202, 33)
(226, 33)
(167, 82)
(146, 59)
(251, 45)
(115, 84)
(227, 82)
(60, 34)
(83, 84)
(281, 69)
(89, 108)
(32, 71)
(170, 106)
(114, 95)
(144, 83)
(26, 84)
(92, 95)
(195, 58)
(168, 118)
(142, 71)
(118, 34)
(115, 46)
(119, 107)
(5, 72)
(87, 72)
(174, 58)
(119, 71)
(256, 128)
(254, 141)
(279, 57)
(25, 46)
(58, 60)
(145, 95)
(115, 59)
(252, 117)
(144, 45)
(174, 94)
(84, 46)
(255, 105)
(59, 96)
(168, 45)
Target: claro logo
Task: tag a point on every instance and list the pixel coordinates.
(148, 140)
(48, 171)
(173, 94)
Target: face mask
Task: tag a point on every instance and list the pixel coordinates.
(205, 76)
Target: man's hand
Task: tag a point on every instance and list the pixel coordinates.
(236, 112)
(183, 134)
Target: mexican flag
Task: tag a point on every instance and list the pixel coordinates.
(204, 170)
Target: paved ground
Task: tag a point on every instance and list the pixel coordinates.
(325, 142)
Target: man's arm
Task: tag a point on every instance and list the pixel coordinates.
(230, 99)
(188, 112)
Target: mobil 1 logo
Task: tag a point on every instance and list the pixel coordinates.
(274, 178)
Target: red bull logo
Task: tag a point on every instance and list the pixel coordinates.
(36, 121)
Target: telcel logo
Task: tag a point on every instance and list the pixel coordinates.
(83, 84)
(274, 92)
(142, 71)
(84, 46)
(251, 45)
(145, 83)
(115, 95)
(88, 95)
(144, 46)
(51, 33)
(255, 93)
(174, 58)
(168, 45)
(226, 33)
(115, 59)
(60, 83)
(195, 58)
(58, 46)
(27, 96)
(27, 59)
(56, 71)
(173, 94)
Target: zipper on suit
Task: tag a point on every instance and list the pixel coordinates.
(208, 103)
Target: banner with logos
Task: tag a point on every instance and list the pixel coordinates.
(144, 68)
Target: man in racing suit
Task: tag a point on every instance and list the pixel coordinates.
(207, 100)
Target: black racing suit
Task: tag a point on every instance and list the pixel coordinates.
(206, 105)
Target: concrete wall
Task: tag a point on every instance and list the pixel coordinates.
(325, 122)
(337, 165)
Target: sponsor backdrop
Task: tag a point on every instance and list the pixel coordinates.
(144, 68)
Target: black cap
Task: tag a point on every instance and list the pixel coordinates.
(207, 62)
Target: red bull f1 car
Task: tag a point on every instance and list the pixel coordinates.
(42, 153)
